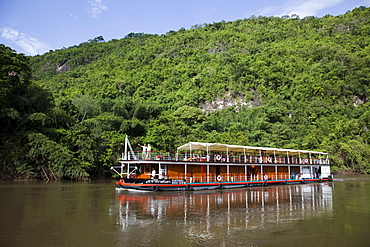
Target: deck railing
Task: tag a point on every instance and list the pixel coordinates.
(222, 158)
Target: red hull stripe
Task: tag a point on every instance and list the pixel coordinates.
(223, 183)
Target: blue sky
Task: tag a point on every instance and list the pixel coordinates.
(37, 26)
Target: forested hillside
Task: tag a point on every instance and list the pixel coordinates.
(262, 81)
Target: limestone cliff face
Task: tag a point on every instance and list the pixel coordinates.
(221, 103)
(237, 102)
(63, 67)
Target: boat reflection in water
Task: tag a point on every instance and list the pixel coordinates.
(217, 210)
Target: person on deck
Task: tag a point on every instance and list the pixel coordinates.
(144, 153)
(148, 150)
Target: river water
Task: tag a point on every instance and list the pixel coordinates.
(96, 214)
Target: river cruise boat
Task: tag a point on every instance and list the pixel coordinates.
(204, 166)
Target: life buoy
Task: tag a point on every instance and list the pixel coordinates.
(155, 188)
(265, 177)
(188, 187)
(218, 157)
(219, 178)
(269, 160)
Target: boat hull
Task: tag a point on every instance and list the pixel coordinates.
(158, 186)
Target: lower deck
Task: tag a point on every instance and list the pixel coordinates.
(213, 172)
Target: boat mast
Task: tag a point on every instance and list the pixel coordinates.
(126, 155)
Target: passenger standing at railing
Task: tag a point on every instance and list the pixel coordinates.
(144, 153)
(148, 150)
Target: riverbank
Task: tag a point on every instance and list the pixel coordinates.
(345, 172)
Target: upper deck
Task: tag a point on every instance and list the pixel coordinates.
(197, 152)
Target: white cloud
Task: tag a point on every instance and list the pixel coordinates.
(9, 33)
(96, 7)
(31, 46)
(302, 8)
(308, 7)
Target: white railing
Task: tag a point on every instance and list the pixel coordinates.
(218, 158)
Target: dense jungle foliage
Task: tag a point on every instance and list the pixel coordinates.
(279, 82)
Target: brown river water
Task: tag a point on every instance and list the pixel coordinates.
(96, 214)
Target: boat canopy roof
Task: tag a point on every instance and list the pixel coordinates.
(218, 147)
